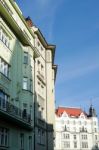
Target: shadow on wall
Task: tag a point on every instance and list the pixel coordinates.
(27, 99)
(95, 147)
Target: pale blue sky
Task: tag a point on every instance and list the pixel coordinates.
(73, 25)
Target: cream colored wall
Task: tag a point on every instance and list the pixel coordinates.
(19, 21)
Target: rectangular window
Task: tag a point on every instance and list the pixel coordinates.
(22, 141)
(43, 137)
(38, 65)
(84, 137)
(3, 100)
(25, 58)
(42, 69)
(66, 136)
(75, 144)
(4, 38)
(4, 137)
(24, 110)
(30, 85)
(4, 67)
(66, 144)
(74, 136)
(84, 145)
(39, 136)
(96, 137)
(30, 142)
(25, 83)
(95, 130)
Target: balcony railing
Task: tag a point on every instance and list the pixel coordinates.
(8, 109)
(40, 123)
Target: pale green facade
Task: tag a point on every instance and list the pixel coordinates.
(20, 122)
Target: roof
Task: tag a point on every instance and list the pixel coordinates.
(74, 112)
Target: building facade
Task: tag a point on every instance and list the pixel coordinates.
(76, 129)
(45, 74)
(25, 95)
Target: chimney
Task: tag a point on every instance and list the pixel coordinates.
(29, 21)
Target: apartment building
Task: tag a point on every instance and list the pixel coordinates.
(75, 129)
(45, 74)
(25, 92)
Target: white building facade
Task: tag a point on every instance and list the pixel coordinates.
(76, 130)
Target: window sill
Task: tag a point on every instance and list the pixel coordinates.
(26, 90)
(2, 76)
(41, 144)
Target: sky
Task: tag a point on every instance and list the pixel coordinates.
(73, 26)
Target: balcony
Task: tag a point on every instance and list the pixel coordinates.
(13, 114)
(50, 128)
(41, 77)
(40, 123)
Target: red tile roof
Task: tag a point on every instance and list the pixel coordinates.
(75, 112)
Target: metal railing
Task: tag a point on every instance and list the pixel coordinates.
(16, 112)
(40, 122)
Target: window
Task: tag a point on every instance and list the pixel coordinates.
(75, 144)
(39, 136)
(4, 137)
(41, 48)
(84, 145)
(25, 83)
(42, 90)
(95, 123)
(24, 110)
(25, 58)
(95, 130)
(66, 144)
(38, 43)
(4, 38)
(96, 137)
(74, 136)
(3, 100)
(74, 122)
(42, 69)
(43, 137)
(30, 85)
(38, 65)
(84, 137)
(22, 141)
(66, 136)
(4, 67)
(30, 142)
